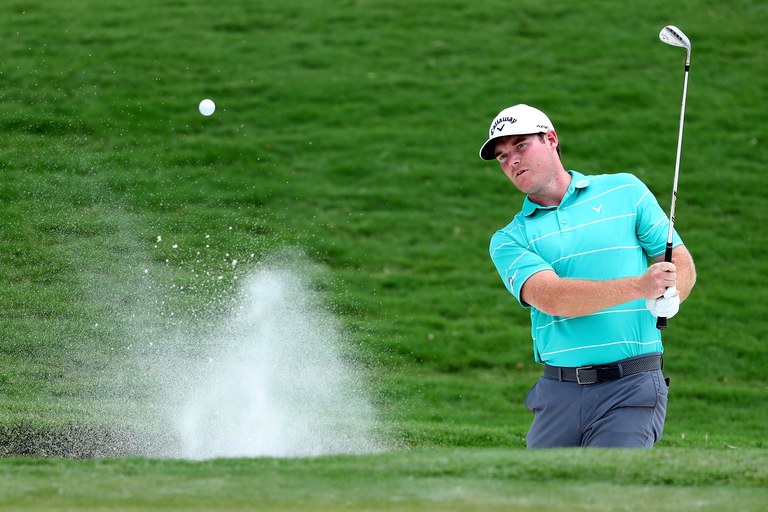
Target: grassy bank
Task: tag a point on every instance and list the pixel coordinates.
(463, 479)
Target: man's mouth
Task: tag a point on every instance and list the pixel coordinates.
(521, 171)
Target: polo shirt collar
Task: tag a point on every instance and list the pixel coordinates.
(578, 180)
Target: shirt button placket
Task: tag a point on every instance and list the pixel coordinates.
(564, 222)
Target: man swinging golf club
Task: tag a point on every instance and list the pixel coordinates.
(577, 256)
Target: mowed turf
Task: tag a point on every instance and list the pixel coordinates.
(458, 479)
(345, 140)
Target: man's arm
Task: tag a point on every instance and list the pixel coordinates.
(685, 270)
(557, 296)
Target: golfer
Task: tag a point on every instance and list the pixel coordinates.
(577, 255)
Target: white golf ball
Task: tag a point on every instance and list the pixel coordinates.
(207, 107)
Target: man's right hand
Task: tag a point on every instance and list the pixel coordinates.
(657, 279)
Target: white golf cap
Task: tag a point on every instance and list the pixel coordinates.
(518, 120)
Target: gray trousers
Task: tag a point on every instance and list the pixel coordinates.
(622, 413)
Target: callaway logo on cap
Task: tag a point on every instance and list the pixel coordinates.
(518, 120)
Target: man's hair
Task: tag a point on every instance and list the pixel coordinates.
(542, 135)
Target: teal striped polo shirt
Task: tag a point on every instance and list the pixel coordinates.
(606, 227)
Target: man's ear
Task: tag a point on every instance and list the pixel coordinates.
(551, 138)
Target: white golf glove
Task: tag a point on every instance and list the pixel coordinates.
(667, 305)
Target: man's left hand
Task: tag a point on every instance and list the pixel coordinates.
(667, 305)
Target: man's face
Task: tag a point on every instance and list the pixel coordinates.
(529, 161)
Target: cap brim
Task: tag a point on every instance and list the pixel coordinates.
(488, 151)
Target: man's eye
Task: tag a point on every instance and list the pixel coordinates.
(521, 146)
(501, 158)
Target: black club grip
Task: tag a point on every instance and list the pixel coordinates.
(661, 322)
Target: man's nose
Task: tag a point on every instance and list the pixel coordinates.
(511, 164)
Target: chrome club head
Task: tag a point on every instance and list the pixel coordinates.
(673, 36)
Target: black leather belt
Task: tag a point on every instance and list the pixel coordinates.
(599, 373)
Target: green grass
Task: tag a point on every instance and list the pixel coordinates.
(459, 479)
(344, 145)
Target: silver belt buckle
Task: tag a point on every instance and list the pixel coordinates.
(578, 376)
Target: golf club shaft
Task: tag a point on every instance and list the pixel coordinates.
(661, 322)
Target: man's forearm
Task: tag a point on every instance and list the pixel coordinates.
(557, 296)
(685, 269)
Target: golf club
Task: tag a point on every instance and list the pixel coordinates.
(673, 36)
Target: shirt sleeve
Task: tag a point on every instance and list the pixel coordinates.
(513, 259)
(652, 223)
